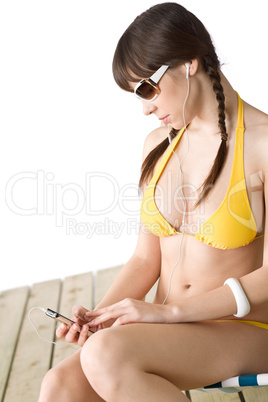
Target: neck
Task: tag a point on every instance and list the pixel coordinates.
(206, 119)
(231, 103)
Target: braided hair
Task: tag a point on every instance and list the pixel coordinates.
(212, 70)
(168, 34)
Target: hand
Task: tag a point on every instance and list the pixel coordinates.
(130, 311)
(75, 334)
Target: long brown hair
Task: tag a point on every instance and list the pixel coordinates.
(168, 34)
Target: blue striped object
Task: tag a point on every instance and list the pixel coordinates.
(235, 384)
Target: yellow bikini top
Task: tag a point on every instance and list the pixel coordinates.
(232, 225)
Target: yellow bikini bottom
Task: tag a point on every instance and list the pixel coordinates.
(254, 323)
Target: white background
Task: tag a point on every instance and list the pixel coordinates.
(71, 140)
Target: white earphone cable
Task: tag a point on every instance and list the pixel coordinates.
(41, 337)
(179, 186)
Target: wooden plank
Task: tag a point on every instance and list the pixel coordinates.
(198, 396)
(76, 290)
(259, 394)
(104, 280)
(12, 307)
(33, 356)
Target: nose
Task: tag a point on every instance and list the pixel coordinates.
(148, 108)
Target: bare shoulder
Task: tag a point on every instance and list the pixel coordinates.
(256, 124)
(256, 121)
(153, 139)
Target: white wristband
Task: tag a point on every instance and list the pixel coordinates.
(242, 303)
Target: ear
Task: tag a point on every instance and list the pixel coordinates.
(194, 64)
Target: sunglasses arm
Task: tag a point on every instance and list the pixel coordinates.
(158, 74)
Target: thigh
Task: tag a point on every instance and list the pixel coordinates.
(190, 355)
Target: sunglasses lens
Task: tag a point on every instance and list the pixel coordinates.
(146, 91)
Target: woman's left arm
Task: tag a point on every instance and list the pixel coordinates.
(211, 305)
(221, 302)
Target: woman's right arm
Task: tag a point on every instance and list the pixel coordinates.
(138, 275)
(143, 269)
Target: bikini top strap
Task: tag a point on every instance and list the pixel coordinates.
(163, 162)
(240, 116)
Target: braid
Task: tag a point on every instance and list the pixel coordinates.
(151, 160)
(213, 72)
(211, 67)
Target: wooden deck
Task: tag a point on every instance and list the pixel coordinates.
(25, 358)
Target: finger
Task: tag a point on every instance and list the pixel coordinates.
(80, 321)
(102, 311)
(79, 312)
(84, 334)
(73, 334)
(100, 327)
(109, 315)
(62, 330)
(96, 313)
(101, 319)
(81, 318)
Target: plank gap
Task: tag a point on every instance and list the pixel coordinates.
(55, 325)
(241, 396)
(187, 393)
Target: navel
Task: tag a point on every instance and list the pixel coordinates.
(187, 286)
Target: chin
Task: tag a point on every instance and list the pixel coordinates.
(177, 126)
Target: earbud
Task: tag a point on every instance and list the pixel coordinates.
(187, 69)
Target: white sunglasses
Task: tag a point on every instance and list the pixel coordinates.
(147, 89)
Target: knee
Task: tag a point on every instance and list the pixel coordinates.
(51, 386)
(99, 355)
(102, 361)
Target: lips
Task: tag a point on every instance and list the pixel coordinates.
(164, 119)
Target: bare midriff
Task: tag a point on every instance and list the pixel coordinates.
(203, 268)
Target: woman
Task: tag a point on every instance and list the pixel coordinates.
(201, 232)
